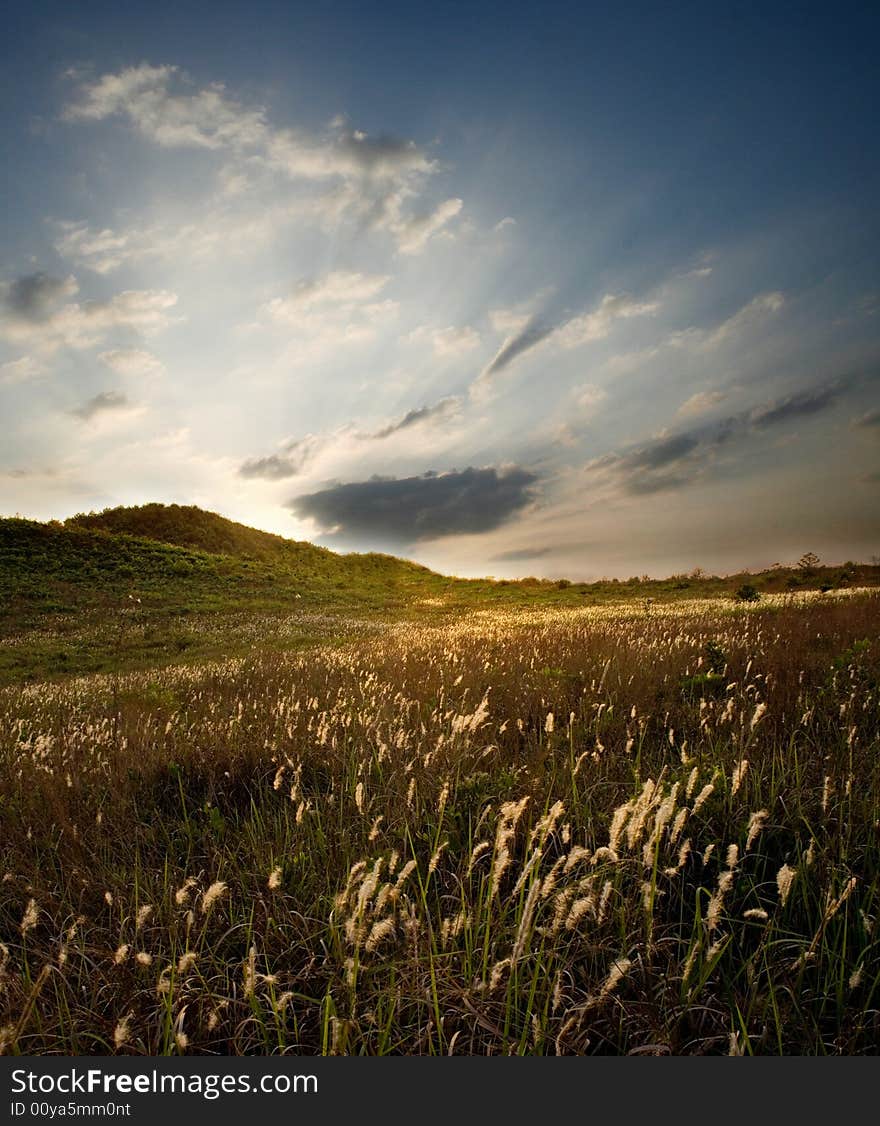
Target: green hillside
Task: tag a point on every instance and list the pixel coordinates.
(139, 586)
(175, 555)
(134, 587)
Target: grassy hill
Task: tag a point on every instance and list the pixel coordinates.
(138, 586)
(176, 555)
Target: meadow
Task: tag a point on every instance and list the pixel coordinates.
(623, 827)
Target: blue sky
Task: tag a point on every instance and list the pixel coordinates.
(573, 292)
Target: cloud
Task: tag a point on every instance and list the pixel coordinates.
(441, 411)
(19, 371)
(206, 118)
(596, 325)
(572, 332)
(800, 405)
(341, 288)
(589, 398)
(446, 342)
(520, 554)
(32, 297)
(869, 420)
(102, 403)
(131, 362)
(325, 313)
(294, 456)
(531, 334)
(413, 233)
(30, 312)
(406, 510)
(754, 313)
(227, 228)
(370, 180)
(672, 461)
(288, 463)
(102, 251)
(701, 403)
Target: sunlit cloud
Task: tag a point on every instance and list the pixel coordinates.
(34, 313)
(134, 362)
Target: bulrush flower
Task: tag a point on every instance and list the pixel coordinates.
(784, 879)
(122, 1031)
(756, 913)
(619, 970)
(274, 881)
(31, 914)
(214, 892)
(381, 930)
(739, 773)
(182, 893)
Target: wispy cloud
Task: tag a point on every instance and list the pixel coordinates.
(597, 324)
(20, 370)
(446, 343)
(438, 412)
(521, 554)
(289, 462)
(134, 362)
(674, 461)
(701, 403)
(870, 420)
(295, 456)
(567, 333)
(106, 401)
(32, 312)
(353, 176)
(750, 316)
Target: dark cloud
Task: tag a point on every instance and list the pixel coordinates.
(676, 460)
(381, 153)
(277, 467)
(802, 404)
(105, 401)
(32, 297)
(533, 333)
(399, 511)
(273, 468)
(436, 413)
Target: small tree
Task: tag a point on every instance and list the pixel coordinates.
(747, 593)
(808, 562)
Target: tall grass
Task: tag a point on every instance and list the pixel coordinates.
(614, 829)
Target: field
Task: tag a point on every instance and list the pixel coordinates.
(570, 826)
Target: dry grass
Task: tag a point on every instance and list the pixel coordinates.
(601, 830)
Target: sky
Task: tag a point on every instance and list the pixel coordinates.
(579, 290)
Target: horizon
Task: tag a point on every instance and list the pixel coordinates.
(693, 573)
(561, 295)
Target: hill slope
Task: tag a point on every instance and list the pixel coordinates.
(192, 527)
(142, 586)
